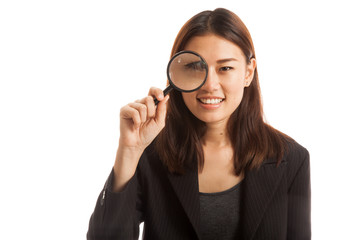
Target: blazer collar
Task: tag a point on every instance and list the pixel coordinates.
(258, 188)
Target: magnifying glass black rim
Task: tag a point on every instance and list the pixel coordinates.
(172, 59)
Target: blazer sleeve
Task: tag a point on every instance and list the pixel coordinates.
(299, 198)
(117, 215)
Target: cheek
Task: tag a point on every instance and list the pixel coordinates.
(189, 99)
(234, 90)
(235, 96)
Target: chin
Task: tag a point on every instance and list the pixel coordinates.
(213, 119)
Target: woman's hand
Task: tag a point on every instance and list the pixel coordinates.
(140, 123)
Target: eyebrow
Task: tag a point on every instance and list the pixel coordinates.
(226, 60)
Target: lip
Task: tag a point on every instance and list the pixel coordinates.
(209, 106)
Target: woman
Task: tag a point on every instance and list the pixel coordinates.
(204, 165)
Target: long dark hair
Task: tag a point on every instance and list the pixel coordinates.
(253, 140)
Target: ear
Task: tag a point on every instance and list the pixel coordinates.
(250, 71)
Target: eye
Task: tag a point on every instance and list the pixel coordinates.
(195, 66)
(224, 69)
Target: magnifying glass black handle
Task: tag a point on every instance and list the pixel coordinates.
(166, 91)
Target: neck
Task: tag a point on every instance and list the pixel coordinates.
(216, 135)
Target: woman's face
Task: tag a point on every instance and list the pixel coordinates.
(228, 74)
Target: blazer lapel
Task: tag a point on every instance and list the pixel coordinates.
(187, 190)
(258, 189)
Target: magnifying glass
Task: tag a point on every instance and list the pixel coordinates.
(186, 71)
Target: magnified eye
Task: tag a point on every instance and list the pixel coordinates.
(196, 66)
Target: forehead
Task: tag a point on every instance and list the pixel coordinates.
(214, 48)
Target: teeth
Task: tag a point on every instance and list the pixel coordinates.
(211, 100)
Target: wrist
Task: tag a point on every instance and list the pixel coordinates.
(126, 162)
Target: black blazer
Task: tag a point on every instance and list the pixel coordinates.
(275, 202)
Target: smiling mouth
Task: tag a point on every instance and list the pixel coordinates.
(211, 100)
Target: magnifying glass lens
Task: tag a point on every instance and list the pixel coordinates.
(187, 71)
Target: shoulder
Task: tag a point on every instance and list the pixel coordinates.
(292, 153)
(297, 160)
(295, 154)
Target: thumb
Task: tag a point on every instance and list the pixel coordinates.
(161, 111)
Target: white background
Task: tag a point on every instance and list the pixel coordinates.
(67, 67)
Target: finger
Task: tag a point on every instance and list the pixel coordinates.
(141, 108)
(130, 113)
(156, 93)
(150, 106)
(161, 111)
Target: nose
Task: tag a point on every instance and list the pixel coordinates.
(212, 81)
